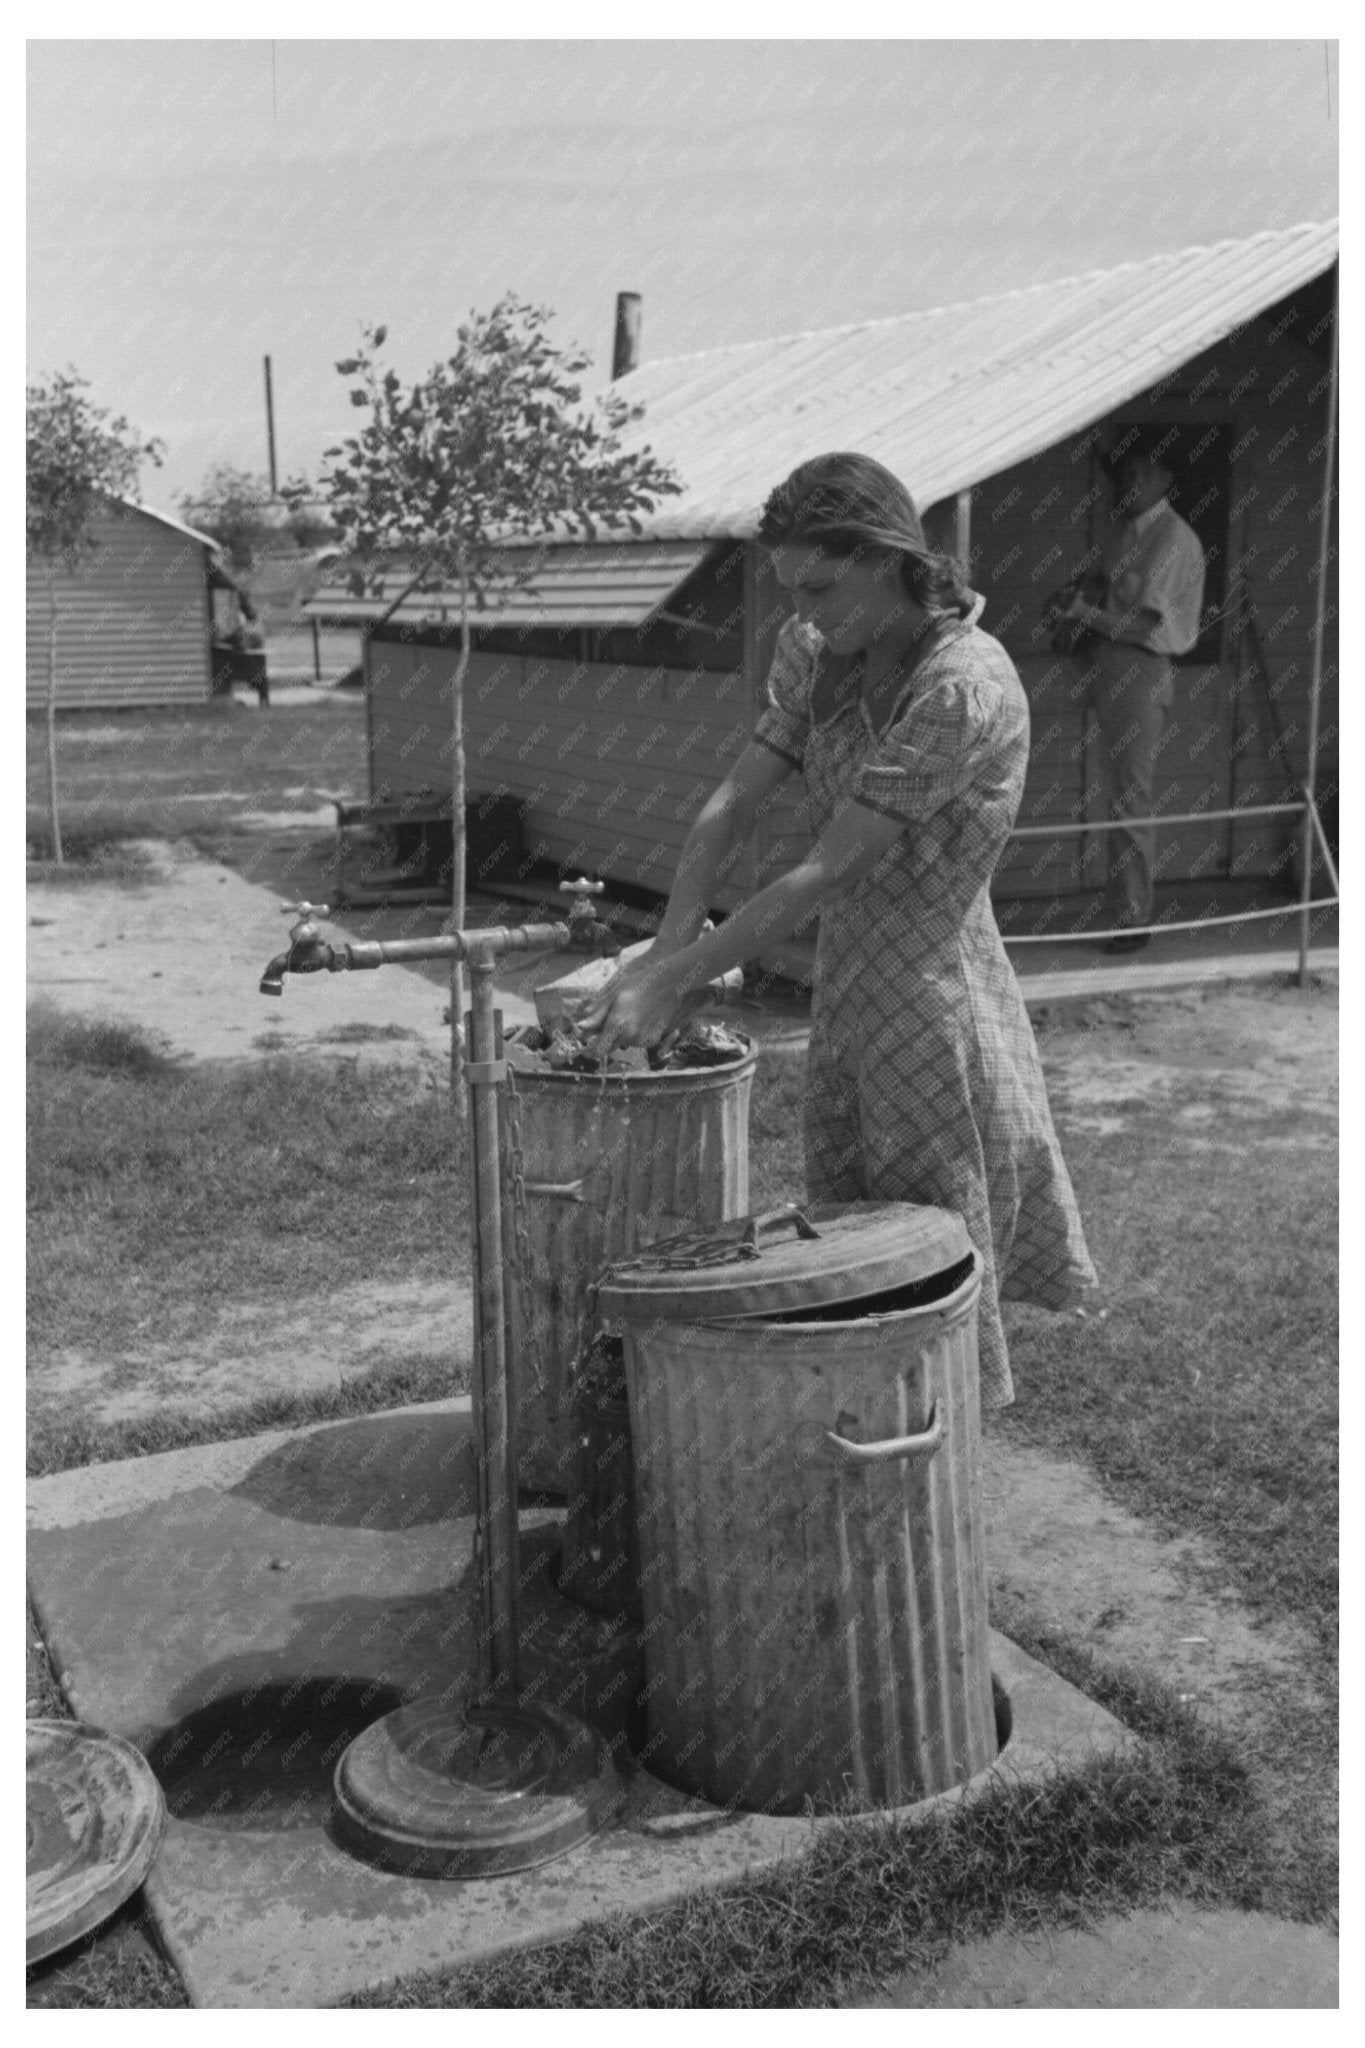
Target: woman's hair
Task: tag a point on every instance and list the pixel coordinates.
(847, 504)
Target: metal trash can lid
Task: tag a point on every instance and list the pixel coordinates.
(455, 1788)
(786, 1259)
(95, 1818)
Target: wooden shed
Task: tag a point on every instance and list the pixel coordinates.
(612, 684)
(133, 616)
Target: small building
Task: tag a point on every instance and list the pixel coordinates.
(133, 618)
(612, 683)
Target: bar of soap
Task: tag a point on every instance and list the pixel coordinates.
(566, 1000)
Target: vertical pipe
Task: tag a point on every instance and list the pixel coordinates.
(270, 426)
(317, 651)
(1093, 855)
(962, 530)
(625, 354)
(496, 1537)
(1315, 697)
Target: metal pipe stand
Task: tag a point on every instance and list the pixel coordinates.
(481, 1778)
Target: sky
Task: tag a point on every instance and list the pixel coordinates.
(193, 206)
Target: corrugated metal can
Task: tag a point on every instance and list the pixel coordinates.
(813, 1572)
(608, 1162)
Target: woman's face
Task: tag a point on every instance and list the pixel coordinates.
(851, 602)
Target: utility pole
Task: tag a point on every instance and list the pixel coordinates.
(270, 426)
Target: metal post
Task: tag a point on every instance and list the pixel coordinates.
(1310, 808)
(270, 425)
(496, 1538)
(495, 1542)
(317, 650)
(962, 530)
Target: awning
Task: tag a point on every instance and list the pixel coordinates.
(610, 583)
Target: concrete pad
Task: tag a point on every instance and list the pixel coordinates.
(1060, 972)
(1133, 977)
(1142, 1960)
(242, 1610)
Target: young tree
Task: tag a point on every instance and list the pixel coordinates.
(77, 457)
(493, 444)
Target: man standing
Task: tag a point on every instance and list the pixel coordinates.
(1154, 570)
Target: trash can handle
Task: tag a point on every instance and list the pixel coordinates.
(774, 1219)
(845, 1452)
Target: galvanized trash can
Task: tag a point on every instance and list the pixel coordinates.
(593, 1165)
(805, 1414)
(600, 1553)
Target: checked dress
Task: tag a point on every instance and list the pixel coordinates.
(924, 1082)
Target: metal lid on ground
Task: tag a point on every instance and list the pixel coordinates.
(445, 1788)
(785, 1260)
(95, 1817)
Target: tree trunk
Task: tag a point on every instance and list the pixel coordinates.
(457, 846)
(52, 810)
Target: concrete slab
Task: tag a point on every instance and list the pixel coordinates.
(241, 1610)
(1143, 1960)
(1062, 973)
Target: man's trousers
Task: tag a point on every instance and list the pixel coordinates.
(1131, 691)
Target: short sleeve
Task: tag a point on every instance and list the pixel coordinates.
(784, 726)
(1175, 588)
(933, 752)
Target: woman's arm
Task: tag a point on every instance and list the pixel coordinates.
(716, 843)
(639, 1007)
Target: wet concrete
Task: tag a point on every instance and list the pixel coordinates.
(241, 1610)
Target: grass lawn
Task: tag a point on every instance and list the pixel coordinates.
(154, 1188)
(190, 771)
(1204, 1396)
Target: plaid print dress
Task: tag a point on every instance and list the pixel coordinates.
(924, 1082)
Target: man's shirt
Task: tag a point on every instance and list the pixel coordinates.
(1155, 562)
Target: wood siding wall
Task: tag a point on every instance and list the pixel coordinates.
(132, 620)
(611, 762)
(614, 760)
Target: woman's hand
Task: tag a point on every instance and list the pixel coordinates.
(638, 1008)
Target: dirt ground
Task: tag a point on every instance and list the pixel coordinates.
(181, 953)
(1259, 1049)
(181, 950)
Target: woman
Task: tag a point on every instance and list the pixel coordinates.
(911, 728)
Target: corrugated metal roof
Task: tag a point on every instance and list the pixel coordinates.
(205, 540)
(609, 584)
(948, 397)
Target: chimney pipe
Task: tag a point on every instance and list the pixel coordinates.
(625, 354)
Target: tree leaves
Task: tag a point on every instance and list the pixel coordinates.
(76, 455)
(494, 440)
(235, 507)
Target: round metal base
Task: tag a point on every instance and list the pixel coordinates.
(451, 1788)
(95, 1818)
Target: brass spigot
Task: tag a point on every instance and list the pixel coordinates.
(308, 951)
(587, 932)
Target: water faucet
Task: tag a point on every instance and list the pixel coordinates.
(587, 933)
(308, 950)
